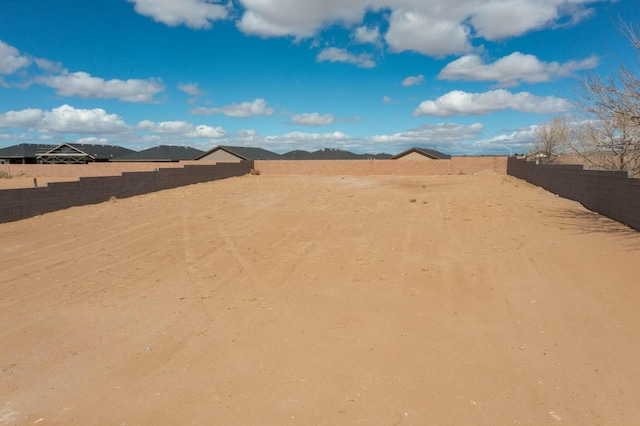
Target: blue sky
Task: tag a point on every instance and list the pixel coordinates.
(460, 76)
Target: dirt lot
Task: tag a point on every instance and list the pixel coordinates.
(322, 300)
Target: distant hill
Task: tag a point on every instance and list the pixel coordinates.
(331, 154)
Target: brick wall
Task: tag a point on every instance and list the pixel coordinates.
(612, 194)
(457, 165)
(90, 169)
(16, 204)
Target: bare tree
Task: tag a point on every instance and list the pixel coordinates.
(612, 144)
(609, 136)
(551, 138)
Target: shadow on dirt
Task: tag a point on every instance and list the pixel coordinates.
(584, 221)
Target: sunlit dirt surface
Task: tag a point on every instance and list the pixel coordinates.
(445, 300)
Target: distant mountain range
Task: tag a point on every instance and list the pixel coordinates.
(332, 154)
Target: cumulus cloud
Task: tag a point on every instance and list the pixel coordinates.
(517, 141)
(67, 119)
(494, 20)
(183, 128)
(11, 60)
(206, 132)
(301, 18)
(96, 124)
(79, 84)
(305, 137)
(85, 86)
(166, 127)
(386, 99)
(435, 27)
(519, 138)
(49, 66)
(512, 70)
(366, 35)
(256, 107)
(450, 137)
(26, 118)
(432, 134)
(426, 33)
(459, 102)
(334, 54)
(197, 14)
(312, 119)
(413, 81)
(192, 89)
(93, 140)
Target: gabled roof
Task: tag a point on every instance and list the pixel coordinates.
(162, 153)
(102, 152)
(297, 154)
(25, 150)
(64, 154)
(244, 153)
(333, 154)
(429, 153)
(32, 150)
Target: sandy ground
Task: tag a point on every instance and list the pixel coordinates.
(445, 300)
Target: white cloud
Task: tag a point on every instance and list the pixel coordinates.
(334, 54)
(306, 137)
(67, 119)
(459, 102)
(312, 119)
(387, 99)
(434, 27)
(97, 123)
(192, 89)
(366, 35)
(413, 81)
(518, 137)
(84, 85)
(183, 128)
(203, 131)
(450, 137)
(243, 110)
(513, 69)
(196, 14)
(432, 134)
(426, 33)
(518, 141)
(93, 140)
(11, 60)
(496, 20)
(166, 127)
(49, 66)
(26, 118)
(301, 18)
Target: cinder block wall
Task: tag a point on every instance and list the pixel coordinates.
(612, 194)
(16, 204)
(457, 165)
(90, 169)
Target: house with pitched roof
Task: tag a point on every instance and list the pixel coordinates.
(66, 153)
(235, 154)
(421, 154)
(162, 153)
(24, 153)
